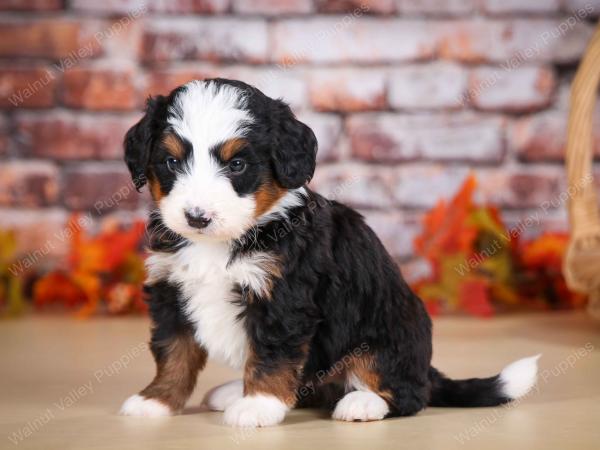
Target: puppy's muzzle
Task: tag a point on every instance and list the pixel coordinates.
(196, 218)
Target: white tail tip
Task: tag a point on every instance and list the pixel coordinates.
(519, 377)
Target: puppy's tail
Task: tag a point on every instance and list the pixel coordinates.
(515, 381)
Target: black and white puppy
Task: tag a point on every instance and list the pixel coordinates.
(252, 268)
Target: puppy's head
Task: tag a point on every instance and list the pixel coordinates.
(218, 155)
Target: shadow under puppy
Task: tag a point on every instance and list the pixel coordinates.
(252, 268)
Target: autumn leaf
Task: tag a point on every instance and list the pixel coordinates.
(475, 297)
(105, 270)
(58, 288)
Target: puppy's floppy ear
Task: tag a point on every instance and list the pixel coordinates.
(138, 142)
(294, 149)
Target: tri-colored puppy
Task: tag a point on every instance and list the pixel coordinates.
(252, 268)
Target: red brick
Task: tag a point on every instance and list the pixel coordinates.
(523, 89)
(527, 187)
(220, 39)
(4, 136)
(349, 6)
(543, 137)
(396, 230)
(563, 93)
(31, 5)
(435, 85)
(121, 41)
(272, 7)
(50, 38)
(357, 185)
(155, 6)
(437, 7)
(347, 89)
(40, 233)
(99, 188)
(164, 81)
(583, 8)
(394, 137)
(98, 89)
(513, 43)
(274, 81)
(351, 39)
(468, 41)
(419, 186)
(328, 130)
(28, 184)
(27, 87)
(503, 7)
(64, 136)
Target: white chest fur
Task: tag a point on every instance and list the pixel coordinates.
(207, 284)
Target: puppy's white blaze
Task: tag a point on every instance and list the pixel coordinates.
(360, 405)
(220, 397)
(207, 115)
(255, 411)
(136, 405)
(519, 377)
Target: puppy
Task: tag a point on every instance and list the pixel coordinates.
(252, 268)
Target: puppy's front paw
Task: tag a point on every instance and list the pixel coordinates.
(220, 397)
(136, 405)
(363, 406)
(255, 411)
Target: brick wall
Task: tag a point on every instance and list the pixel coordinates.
(405, 96)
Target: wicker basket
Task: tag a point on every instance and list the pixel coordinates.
(582, 261)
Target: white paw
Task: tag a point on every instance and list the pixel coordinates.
(360, 405)
(255, 411)
(220, 397)
(136, 405)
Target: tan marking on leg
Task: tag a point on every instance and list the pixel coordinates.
(364, 368)
(177, 371)
(282, 383)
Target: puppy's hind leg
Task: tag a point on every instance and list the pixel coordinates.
(364, 400)
(374, 395)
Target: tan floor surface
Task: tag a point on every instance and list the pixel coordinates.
(62, 381)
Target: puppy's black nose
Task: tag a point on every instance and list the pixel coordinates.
(196, 218)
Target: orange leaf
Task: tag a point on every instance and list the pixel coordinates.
(475, 297)
(58, 288)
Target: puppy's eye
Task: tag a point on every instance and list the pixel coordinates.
(237, 166)
(172, 164)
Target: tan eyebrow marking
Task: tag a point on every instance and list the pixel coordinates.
(230, 148)
(174, 146)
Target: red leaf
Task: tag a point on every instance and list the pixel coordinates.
(475, 298)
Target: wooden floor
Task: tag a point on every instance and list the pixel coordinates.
(62, 381)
